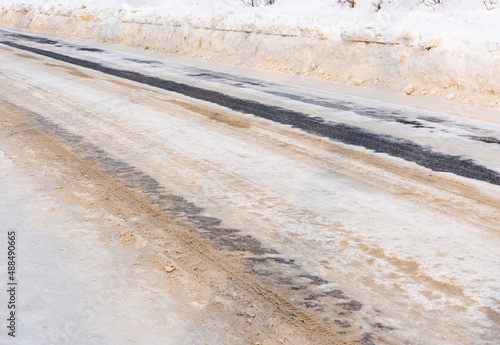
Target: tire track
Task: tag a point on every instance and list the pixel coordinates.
(396, 147)
(198, 244)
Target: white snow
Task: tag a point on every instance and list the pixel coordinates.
(446, 47)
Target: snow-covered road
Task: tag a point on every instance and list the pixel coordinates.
(374, 245)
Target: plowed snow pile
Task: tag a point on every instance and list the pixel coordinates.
(445, 48)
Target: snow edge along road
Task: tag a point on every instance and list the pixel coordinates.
(394, 49)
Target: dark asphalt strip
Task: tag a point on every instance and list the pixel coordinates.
(396, 147)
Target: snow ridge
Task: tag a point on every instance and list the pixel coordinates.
(451, 49)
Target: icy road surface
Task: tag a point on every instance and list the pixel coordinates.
(335, 218)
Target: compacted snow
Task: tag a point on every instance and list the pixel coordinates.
(416, 268)
(78, 284)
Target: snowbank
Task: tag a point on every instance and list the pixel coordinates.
(449, 49)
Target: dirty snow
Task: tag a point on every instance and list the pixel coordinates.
(77, 284)
(418, 267)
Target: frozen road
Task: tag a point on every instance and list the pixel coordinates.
(333, 218)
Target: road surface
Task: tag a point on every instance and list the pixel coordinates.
(305, 216)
